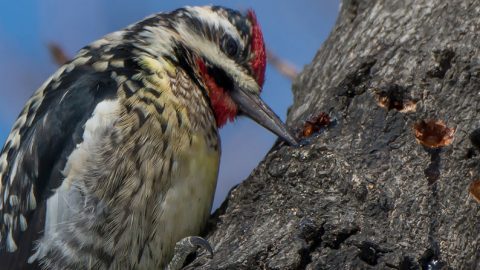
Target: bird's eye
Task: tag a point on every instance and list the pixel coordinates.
(230, 47)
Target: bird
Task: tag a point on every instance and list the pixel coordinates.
(113, 161)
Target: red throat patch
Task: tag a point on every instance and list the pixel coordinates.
(224, 108)
(259, 61)
(222, 104)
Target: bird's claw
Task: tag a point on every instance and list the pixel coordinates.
(199, 242)
(185, 247)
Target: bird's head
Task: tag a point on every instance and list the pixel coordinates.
(227, 52)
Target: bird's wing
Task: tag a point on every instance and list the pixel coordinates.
(36, 151)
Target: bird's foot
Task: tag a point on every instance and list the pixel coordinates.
(185, 247)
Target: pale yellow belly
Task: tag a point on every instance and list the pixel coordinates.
(187, 203)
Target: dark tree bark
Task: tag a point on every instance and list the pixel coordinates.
(363, 193)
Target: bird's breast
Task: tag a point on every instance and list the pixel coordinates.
(186, 204)
(171, 192)
(181, 201)
(143, 185)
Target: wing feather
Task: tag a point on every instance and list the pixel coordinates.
(36, 151)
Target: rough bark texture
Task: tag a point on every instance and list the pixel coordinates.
(363, 194)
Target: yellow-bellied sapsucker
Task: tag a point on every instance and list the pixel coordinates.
(115, 158)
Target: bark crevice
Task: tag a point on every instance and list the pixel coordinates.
(363, 193)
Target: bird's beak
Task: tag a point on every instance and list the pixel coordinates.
(252, 106)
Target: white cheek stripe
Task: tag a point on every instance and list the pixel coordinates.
(212, 52)
(210, 17)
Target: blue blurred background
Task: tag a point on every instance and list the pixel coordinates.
(293, 30)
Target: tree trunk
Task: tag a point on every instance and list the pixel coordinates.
(363, 193)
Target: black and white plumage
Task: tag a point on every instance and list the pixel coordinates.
(36, 151)
(115, 158)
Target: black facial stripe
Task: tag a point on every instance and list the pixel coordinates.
(230, 46)
(237, 19)
(221, 78)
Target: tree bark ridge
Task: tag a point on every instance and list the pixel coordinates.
(363, 193)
